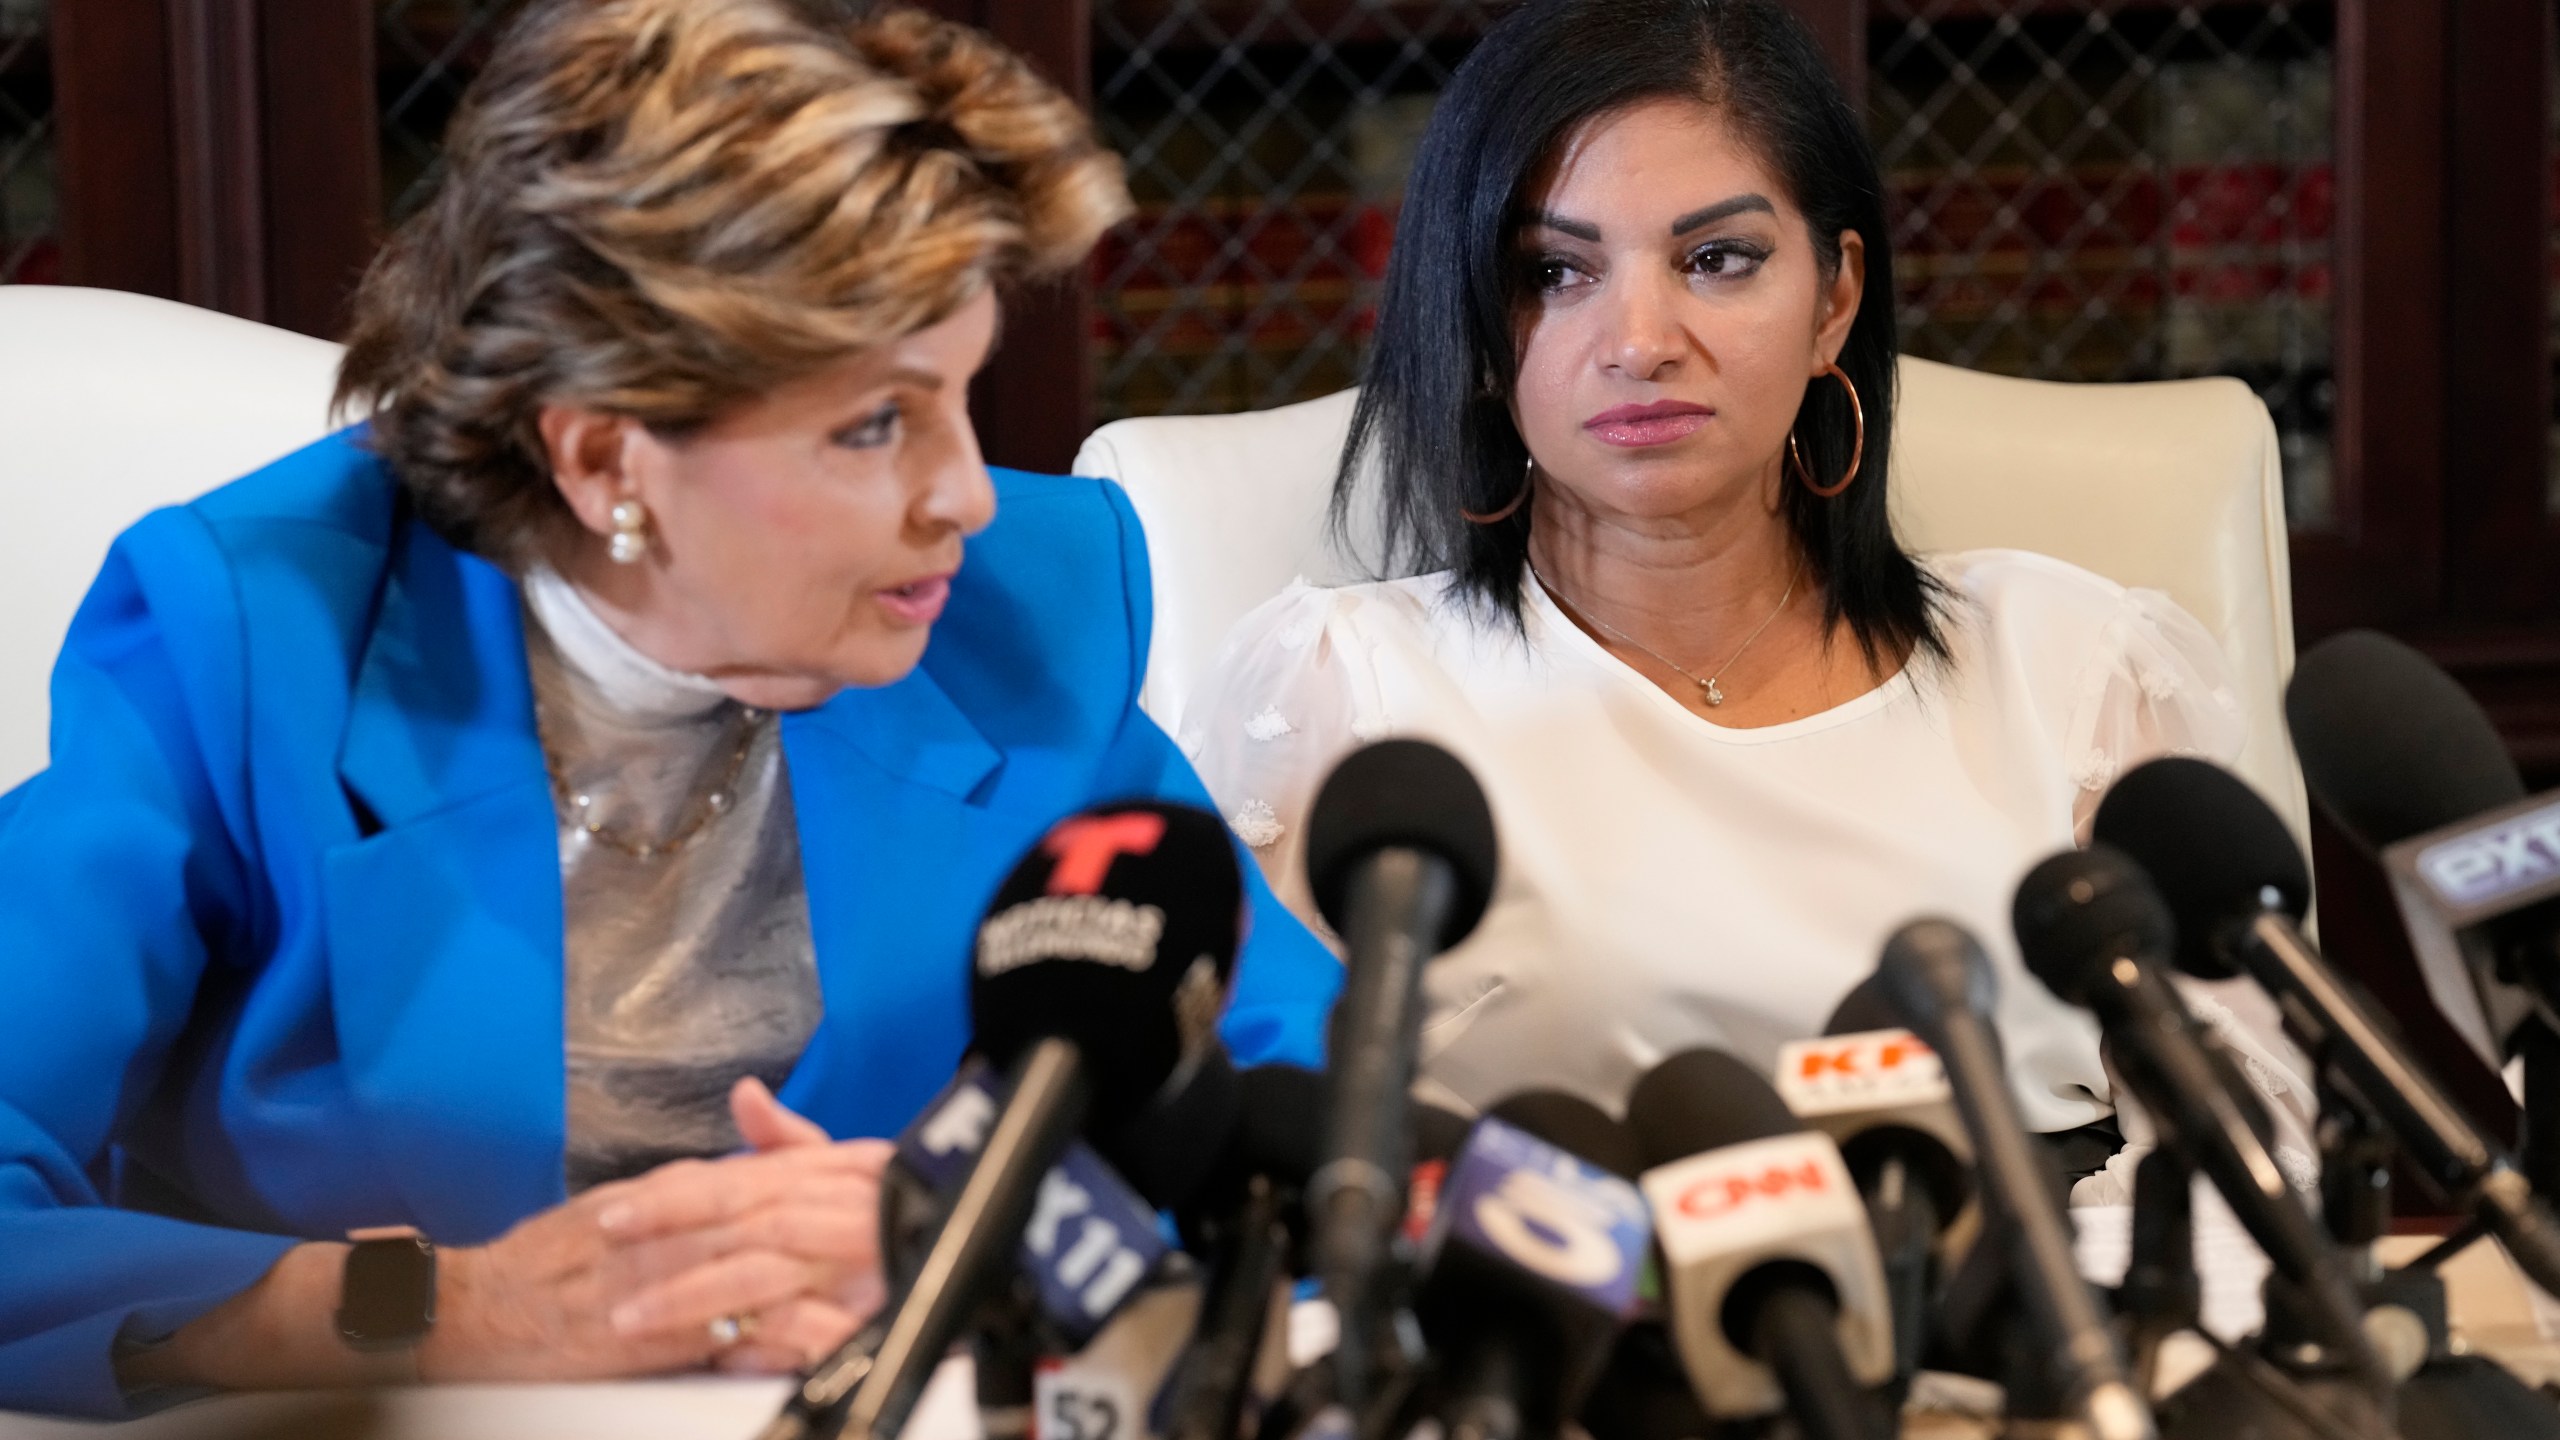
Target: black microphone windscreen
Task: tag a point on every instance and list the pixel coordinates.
(1117, 932)
(2215, 850)
(1869, 1005)
(1703, 1100)
(2390, 744)
(1280, 1125)
(2080, 911)
(1407, 793)
(1575, 1125)
(1645, 1395)
(1173, 1144)
(1932, 967)
(1438, 1134)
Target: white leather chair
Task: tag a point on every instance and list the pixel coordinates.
(2170, 485)
(112, 405)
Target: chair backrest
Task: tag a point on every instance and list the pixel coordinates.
(112, 405)
(2171, 485)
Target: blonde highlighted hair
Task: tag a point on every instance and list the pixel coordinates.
(661, 208)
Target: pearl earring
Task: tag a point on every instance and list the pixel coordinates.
(630, 532)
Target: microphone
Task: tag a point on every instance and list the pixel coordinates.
(1645, 1394)
(1880, 1092)
(1531, 1267)
(1246, 1226)
(1401, 858)
(1574, 1125)
(2097, 934)
(2390, 744)
(1942, 983)
(1438, 1135)
(1092, 1237)
(2237, 884)
(1771, 1284)
(1100, 973)
(2410, 766)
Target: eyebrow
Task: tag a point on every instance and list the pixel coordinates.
(921, 379)
(1722, 209)
(1753, 203)
(1578, 229)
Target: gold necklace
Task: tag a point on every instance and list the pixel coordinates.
(713, 804)
(1707, 683)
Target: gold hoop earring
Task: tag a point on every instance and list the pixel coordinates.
(1528, 472)
(1857, 448)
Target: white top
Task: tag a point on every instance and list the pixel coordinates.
(1668, 882)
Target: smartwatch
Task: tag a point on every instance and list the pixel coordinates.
(387, 1292)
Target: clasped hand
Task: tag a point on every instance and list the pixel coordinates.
(628, 1278)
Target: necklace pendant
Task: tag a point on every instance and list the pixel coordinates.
(1715, 696)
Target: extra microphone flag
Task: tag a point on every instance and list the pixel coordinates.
(2453, 885)
(2410, 766)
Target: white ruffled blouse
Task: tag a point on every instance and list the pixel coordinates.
(1668, 882)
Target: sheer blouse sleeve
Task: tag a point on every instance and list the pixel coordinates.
(2155, 684)
(1288, 693)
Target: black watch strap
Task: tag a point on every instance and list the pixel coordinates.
(387, 1292)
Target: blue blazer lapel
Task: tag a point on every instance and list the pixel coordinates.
(884, 783)
(444, 925)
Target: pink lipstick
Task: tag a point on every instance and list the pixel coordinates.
(918, 602)
(1637, 426)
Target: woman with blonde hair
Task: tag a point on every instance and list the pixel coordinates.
(531, 829)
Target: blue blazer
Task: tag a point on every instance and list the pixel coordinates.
(280, 927)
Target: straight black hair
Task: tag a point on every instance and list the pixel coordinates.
(1433, 411)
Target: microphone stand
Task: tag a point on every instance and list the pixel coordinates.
(2538, 1133)
(2160, 1295)
(1979, 1327)
(2287, 1383)
(2449, 1395)
(2461, 1394)
(1006, 1348)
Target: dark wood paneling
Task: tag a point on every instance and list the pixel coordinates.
(118, 157)
(220, 152)
(221, 175)
(1345, 21)
(2497, 240)
(2514, 672)
(318, 126)
(2384, 562)
(1841, 27)
(1034, 401)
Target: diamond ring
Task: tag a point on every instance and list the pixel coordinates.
(728, 1330)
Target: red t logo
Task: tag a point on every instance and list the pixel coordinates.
(1085, 846)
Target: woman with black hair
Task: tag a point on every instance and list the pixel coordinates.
(1630, 419)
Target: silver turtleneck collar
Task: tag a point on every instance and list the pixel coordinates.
(685, 969)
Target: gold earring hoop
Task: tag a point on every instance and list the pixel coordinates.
(1857, 448)
(1528, 472)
